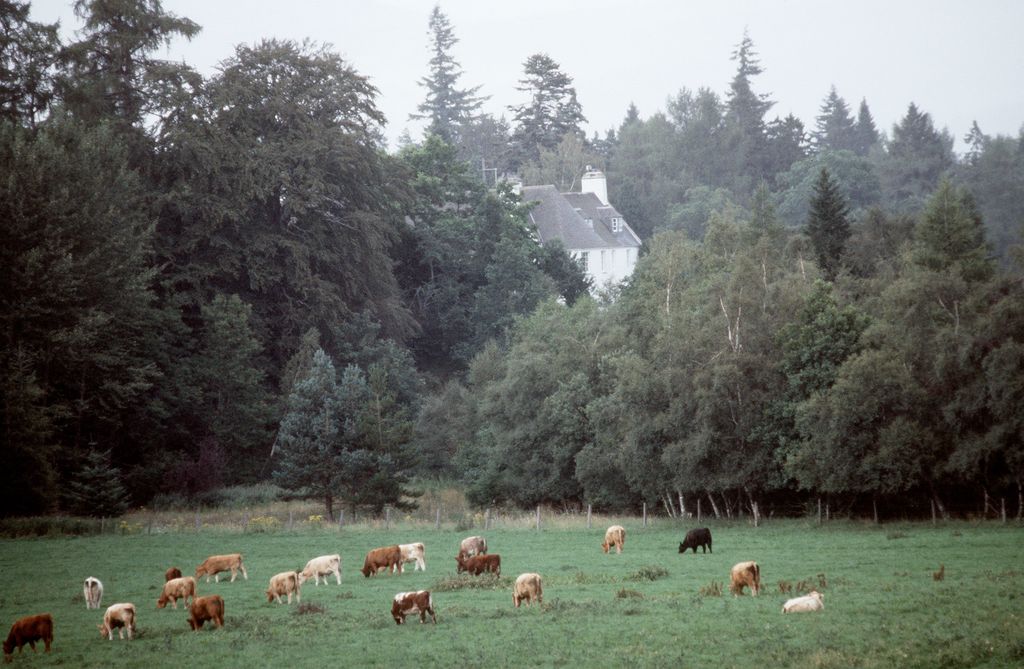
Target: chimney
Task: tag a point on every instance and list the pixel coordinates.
(594, 182)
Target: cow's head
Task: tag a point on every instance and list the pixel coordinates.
(103, 631)
(461, 563)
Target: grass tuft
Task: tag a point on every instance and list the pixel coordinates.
(467, 582)
(712, 589)
(649, 573)
(626, 593)
(308, 608)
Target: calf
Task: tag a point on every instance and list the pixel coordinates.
(479, 564)
(413, 553)
(215, 564)
(210, 607)
(745, 574)
(614, 536)
(694, 538)
(28, 630)
(473, 546)
(408, 603)
(387, 557)
(120, 617)
(171, 573)
(285, 583)
(809, 602)
(527, 589)
(325, 565)
(175, 589)
(93, 592)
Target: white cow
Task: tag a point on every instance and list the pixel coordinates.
(120, 617)
(93, 591)
(809, 602)
(471, 546)
(411, 553)
(325, 565)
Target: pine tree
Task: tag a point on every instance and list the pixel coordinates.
(865, 132)
(447, 107)
(835, 128)
(827, 224)
(951, 235)
(551, 113)
(918, 157)
(96, 489)
(746, 139)
(28, 51)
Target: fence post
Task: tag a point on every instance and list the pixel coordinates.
(538, 517)
(437, 519)
(819, 511)
(487, 518)
(934, 519)
(387, 517)
(588, 516)
(645, 515)
(698, 510)
(1002, 509)
(199, 522)
(341, 519)
(245, 521)
(291, 519)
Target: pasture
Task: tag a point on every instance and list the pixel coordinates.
(882, 607)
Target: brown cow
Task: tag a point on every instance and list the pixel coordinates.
(210, 607)
(471, 546)
(28, 630)
(614, 536)
(215, 564)
(172, 573)
(285, 583)
(745, 574)
(527, 588)
(175, 589)
(478, 564)
(120, 617)
(387, 557)
(408, 603)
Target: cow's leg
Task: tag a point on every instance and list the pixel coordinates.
(245, 574)
(337, 575)
(234, 573)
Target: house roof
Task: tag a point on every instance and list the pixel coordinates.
(564, 216)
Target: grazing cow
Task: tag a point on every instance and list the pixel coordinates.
(413, 553)
(527, 588)
(93, 592)
(173, 572)
(809, 602)
(479, 564)
(215, 564)
(285, 583)
(28, 630)
(745, 574)
(473, 546)
(325, 565)
(210, 607)
(175, 589)
(700, 537)
(120, 617)
(409, 603)
(387, 557)
(614, 536)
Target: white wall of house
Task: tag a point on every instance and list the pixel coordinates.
(607, 265)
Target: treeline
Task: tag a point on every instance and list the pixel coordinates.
(211, 281)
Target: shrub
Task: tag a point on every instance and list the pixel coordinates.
(467, 582)
(649, 573)
(712, 589)
(626, 593)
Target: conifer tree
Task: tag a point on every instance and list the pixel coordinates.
(551, 113)
(96, 489)
(865, 132)
(827, 224)
(835, 128)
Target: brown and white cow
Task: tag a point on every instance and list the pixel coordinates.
(410, 603)
(479, 564)
(413, 553)
(614, 536)
(473, 546)
(809, 602)
(175, 589)
(325, 565)
(92, 590)
(28, 630)
(745, 574)
(386, 557)
(215, 564)
(527, 589)
(120, 617)
(285, 583)
(210, 607)
(172, 573)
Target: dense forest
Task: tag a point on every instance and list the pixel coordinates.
(212, 281)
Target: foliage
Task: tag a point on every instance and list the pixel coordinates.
(551, 112)
(827, 225)
(96, 489)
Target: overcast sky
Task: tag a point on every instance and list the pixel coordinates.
(957, 60)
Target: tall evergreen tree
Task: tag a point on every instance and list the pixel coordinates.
(28, 52)
(448, 108)
(96, 488)
(918, 156)
(551, 112)
(827, 224)
(835, 127)
(746, 133)
(865, 132)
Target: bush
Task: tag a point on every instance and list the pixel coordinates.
(40, 526)
(650, 573)
(467, 582)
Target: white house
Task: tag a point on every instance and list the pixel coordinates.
(588, 227)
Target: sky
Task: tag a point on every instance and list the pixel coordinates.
(959, 61)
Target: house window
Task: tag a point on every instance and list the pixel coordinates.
(616, 224)
(585, 259)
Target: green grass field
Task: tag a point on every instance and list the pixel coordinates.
(883, 608)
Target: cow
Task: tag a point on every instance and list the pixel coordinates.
(527, 589)
(473, 546)
(120, 617)
(809, 602)
(175, 589)
(92, 590)
(325, 565)
(171, 573)
(745, 574)
(386, 557)
(700, 537)
(409, 603)
(285, 583)
(215, 564)
(210, 607)
(413, 553)
(28, 630)
(614, 536)
(479, 564)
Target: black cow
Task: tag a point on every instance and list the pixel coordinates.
(694, 538)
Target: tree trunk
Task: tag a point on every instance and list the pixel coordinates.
(1020, 501)
(874, 508)
(940, 505)
(698, 511)
(682, 506)
(984, 503)
(935, 520)
(819, 510)
(714, 507)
